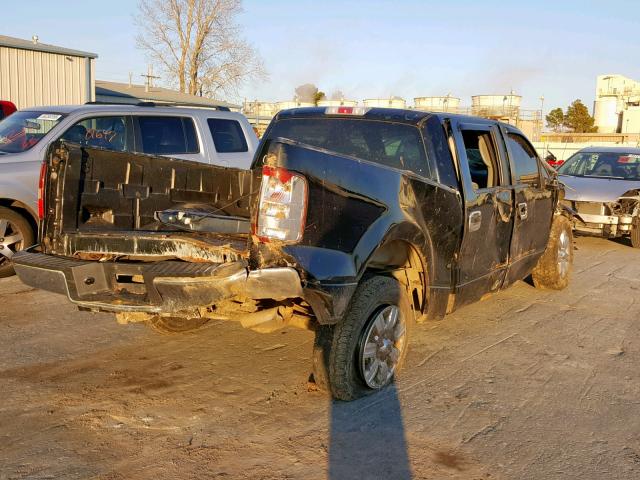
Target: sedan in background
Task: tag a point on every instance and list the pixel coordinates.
(603, 188)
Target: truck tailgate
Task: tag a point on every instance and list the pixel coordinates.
(131, 204)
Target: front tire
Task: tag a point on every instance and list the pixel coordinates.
(553, 269)
(15, 234)
(369, 345)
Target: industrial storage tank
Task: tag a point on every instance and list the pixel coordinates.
(337, 103)
(293, 104)
(259, 109)
(496, 106)
(607, 114)
(392, 102)
(445, 103)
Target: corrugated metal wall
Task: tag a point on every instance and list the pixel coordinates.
(29, 78)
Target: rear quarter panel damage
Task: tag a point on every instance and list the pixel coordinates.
(355, 208)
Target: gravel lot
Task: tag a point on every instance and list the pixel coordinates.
(526, 384)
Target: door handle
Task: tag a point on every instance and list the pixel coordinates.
(475, 220)
(523, 211)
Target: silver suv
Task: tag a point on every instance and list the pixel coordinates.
(203, 135)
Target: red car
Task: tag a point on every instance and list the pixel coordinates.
(6, 108)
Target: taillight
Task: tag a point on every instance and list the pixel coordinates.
(43, 174)
(283, 205)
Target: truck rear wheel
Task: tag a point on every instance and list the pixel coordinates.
(554, 267)
(170, 325)
(363, 352)
(15, 234)
(635, 236)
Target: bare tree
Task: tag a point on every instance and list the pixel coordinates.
(198, 44)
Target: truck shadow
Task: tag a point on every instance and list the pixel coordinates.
(367, 439)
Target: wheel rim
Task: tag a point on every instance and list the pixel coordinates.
(564, 253)
(11, 240)
(381, 346)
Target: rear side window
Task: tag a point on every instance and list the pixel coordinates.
(391, 144)
(168, 135)
(525, 160)
(227, 135)
(435, 139)
(109, 133)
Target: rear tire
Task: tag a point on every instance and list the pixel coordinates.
(553, 269)
(172, 325)
(365, 350)
(15, 234)
(635, 236)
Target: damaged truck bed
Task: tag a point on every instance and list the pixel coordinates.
(353, 222)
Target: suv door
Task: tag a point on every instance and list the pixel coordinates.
(534, 205)
(488, 202)
(168, 135)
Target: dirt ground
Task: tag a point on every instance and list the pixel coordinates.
(526, 384)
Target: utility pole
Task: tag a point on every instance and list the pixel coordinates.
(149, 78)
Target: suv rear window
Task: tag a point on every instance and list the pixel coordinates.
(168, 135)
(227, 135)
(391, 144)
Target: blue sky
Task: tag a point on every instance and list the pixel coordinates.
(380, 48)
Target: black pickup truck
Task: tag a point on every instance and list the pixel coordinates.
(353, 222)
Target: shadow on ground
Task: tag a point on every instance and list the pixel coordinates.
(367, 439)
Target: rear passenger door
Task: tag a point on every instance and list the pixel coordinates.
(172, 136)
(488, 201)
(533, 204)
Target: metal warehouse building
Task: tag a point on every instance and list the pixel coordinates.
(33, 73)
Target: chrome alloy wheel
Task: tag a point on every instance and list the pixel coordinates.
(381, 346)
(11, 240)
(564, 253)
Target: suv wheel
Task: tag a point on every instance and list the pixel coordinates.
(363, 352)
(554, 267)
(15, 234)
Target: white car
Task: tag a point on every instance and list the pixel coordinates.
(214, 136)
(603, 187)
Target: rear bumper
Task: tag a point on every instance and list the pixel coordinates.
(159, 287)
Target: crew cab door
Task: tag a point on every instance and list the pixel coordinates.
(488, 200)
(534, 205)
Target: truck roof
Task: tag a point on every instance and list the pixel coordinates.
(397, 115)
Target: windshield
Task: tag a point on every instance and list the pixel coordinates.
(22, 130)
(620, 166)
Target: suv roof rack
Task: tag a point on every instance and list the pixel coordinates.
(220, 108)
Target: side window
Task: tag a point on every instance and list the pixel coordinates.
(227, 135)
(525, 160)
(481, 157)
(168, 135)
(435, 139)
(109, 133)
